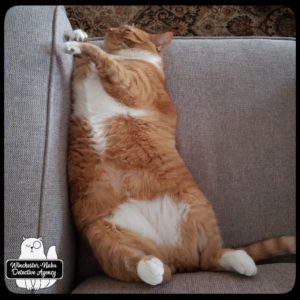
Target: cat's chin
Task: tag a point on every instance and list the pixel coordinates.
(108, 49)
(111, 50)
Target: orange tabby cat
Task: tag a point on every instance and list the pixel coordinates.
(132, 197)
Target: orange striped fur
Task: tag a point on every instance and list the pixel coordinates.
(134, 163)
(271, 247)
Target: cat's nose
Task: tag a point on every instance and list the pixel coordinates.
(109, 29)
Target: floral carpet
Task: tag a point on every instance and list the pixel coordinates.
(184, 20)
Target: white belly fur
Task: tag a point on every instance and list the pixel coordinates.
(95, 105)
(158, 219)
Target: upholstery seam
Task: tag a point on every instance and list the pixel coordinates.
(48, 110)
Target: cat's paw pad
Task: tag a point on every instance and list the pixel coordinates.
(77, 35)
(239, 261)
(72, 47)
(151, 270)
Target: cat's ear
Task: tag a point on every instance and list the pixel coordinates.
(161, 40)
(40, 238)
(24, 238)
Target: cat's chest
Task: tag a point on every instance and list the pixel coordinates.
(96, 107)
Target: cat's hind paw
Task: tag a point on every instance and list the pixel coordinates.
(72, 47)
(238, 261)
(151, 270)
(77, 35)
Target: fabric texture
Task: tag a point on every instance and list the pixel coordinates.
(37, 107)
(187, 20)
(270, 279)
(236, 132)
(235, 99)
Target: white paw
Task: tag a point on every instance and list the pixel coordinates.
(78, 35)
(72, 47)
(239, 261)
(29, 286)
(151, 270)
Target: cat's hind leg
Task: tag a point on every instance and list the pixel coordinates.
(214, 257)
(126, 256)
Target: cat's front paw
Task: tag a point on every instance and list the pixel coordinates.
(77, 35)
(72, 47)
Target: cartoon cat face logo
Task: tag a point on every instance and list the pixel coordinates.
(32, 248)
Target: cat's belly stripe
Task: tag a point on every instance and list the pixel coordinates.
(159, 219)
(95, 105)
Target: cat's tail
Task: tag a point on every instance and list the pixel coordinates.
(272, 247)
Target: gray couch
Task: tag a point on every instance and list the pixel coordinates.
(236, 132)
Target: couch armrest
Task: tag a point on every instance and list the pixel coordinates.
(37, 106)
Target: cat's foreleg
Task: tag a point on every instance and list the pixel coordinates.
(115, 78)
(106, 65)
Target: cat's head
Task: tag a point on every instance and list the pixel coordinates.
(129, 36)
(32, 246)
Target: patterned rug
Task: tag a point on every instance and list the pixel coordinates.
(260, 20)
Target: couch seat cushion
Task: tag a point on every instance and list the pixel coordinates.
(270, 278)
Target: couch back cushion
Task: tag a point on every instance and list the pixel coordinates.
(235, 99)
